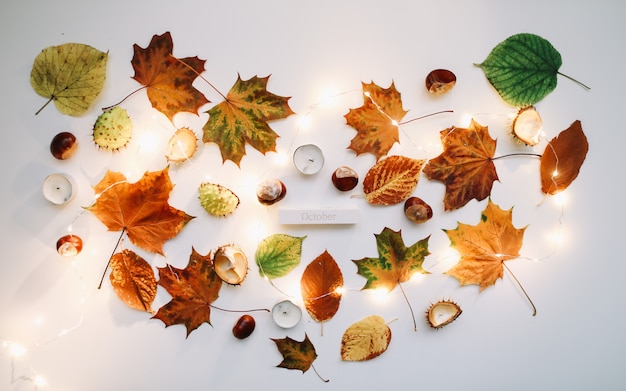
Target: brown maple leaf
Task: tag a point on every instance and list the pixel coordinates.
(193, 289)
(319, 287)
(243, 118)
(376, 122)
(465, 166)
(168, 79)
(562, 159)
(485, 246)
(140, 209)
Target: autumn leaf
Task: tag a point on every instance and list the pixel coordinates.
(320, 287)
(140, 209)
(278, 254)
(193, 289)
(296, 354)
(396, 263)
(562, 159)
(365, 339)
(133, 280)
(376, 122)
(72, 75)
(485, 247)
(523, 69)
(465, 166)
(243, 118)
(169, 80)
(392, 180)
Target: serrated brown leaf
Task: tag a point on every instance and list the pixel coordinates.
(319, 287)
(365, 339)
(392, 180)
(168, 79)
(193, 289)
(296, 354)
(243, 118)
(376, 122)
(133, 280)
(141, 209)
(562, 159)
(465, 166)
(485, 247)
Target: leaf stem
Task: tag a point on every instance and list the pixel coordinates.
(409, 304)
(425, 116)
(112, 253)
(516, 154)
(126, 97)
(318, 374)
(227, 310)
(45, 104)
(575, 81)
(200, 76)
(521, 287)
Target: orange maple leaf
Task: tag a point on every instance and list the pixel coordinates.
(485, 246)
(465, 166)
(140, 209)
(193, 289)
(376, 122)
(167, 78)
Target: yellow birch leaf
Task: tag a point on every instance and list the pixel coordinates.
(366, 339)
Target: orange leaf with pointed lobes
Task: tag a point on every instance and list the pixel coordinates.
(320, 286)
(562, 159)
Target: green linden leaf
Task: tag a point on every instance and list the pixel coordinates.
(112, 129)
(278, 254)
(242, 118)
(396, 263)
(217, 200)
(523, 69)
(71, 75)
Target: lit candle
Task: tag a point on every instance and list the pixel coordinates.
(286, 314)
(308, 159)
(58, 188)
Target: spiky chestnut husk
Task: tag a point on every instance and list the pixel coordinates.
(442, 313)
(231, 264)
(182, 145)
(526, 126)
(112, 129)
(217, 200)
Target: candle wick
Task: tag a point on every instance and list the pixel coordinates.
(311, 160)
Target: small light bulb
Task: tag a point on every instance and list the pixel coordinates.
(555, 173)
(305, 122)
(380, 295)
(394, 122)
(16, 350)
(339, 290)
(39, 381)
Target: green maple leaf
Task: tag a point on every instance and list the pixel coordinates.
(296, 355)
(396, 263)
(242, 118)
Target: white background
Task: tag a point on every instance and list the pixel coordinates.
(318, 53)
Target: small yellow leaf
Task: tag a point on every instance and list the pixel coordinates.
(365, 339)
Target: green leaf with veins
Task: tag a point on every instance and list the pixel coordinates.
(278, 254)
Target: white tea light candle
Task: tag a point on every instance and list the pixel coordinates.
(308, 159)
(286, 314)
(58, 188)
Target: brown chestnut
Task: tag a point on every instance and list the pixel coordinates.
(440, 81)
(270, 191)
(417, 210)
(69, 245)
(344, 178)
(244, 327)
(63, 145)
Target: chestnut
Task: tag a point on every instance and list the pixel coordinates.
(63, 145)
(440, 81)
(270, 191)
(417, 210)
(244, 327)
(344, 178)
(69, 245)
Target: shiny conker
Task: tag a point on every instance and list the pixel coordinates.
(417, 210)
(63, 145)
(344, 178)
(244, 327)
(69, 245)
(440, 81)
(270, 191)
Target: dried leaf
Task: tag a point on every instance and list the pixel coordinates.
(392, 180)
(396, 263)
(485, 246)
(169, 80)
(365, 339)
(133, 280)
(193, 289)
(523, 69)
(242, 118)
(465, 166)
(376, 122)
(296, 355)
(562, 159)
(71, 74)
(141, 209)
(320, 285)
(278, 254)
